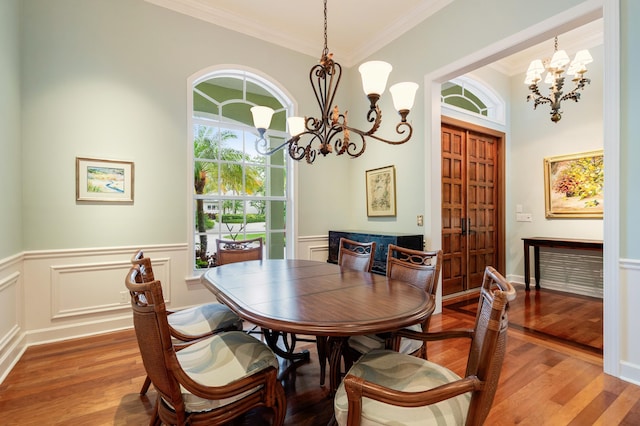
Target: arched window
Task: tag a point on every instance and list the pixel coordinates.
(471, 96)
(237, 193)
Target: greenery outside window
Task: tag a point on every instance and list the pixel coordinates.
(237, 193)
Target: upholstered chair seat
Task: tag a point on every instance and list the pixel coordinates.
(188, 324)
(365, 343)
(386, 387)
(404, 373)
(200, 320)
(211, 381)
(220, 360)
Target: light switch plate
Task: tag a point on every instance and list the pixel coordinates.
(524, 217)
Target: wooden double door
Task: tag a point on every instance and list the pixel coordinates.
(472, 206)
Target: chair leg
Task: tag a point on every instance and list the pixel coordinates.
(321, 344)
(155, 417)
(145, 386)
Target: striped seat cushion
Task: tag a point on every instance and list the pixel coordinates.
(204, 318)
(369, 342)
(407, 373)
(222, 359)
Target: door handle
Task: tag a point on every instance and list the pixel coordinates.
(465, 227)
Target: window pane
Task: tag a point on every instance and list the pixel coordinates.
(276, 213)
(276, 245)
(255, 180)
(205, 178)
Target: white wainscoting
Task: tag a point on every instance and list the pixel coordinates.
(73, 293)
(313, 248)
(54, 295)
(630, 320)
(12, 334)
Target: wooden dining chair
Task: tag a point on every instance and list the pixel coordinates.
(388, 387)
(231, 251)
(356, 255)
(420, 268)
(188, 324)
(210, 381)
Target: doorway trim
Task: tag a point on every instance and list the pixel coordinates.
(586, 12)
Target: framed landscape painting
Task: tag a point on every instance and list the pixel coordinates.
(574, 185)
(381, 191)
(104, 180)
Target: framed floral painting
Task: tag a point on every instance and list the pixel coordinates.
(574, 185)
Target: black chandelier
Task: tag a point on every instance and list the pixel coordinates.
(331, 131)
(555, 78)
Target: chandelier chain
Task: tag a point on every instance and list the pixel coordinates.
(325, 52)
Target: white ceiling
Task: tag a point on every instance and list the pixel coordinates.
(356, 28)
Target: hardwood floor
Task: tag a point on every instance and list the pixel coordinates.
(544, 381)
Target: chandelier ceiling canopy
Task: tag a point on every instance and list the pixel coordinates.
(555, 68)
(330, 131)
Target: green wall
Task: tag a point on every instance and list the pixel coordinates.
(108, 80)
(10, 151)
(629, 129)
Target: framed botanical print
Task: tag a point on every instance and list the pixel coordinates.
(381, 191)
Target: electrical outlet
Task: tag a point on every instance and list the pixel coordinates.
(124, 296)
(420, 220)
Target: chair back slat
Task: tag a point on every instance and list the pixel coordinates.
(153, 335)
(231, 251)
(420, 268)
(489, 342)
(356, 255)
(146, 270)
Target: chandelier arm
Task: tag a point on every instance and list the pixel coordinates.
(574, 95)
(537, 97)
(400, 129)
(345, 145)
(262, 143)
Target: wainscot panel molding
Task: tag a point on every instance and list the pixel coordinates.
(12, 335)
(630, 315)
(53, 295)
(71, 295)
(313, 247)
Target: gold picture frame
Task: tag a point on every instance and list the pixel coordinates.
(381, 191)
(574, 185)
(105, 181)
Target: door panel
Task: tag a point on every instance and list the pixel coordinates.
(453, 202)
(469, 207)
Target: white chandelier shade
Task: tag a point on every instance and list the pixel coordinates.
(556, 68)
(331, 132)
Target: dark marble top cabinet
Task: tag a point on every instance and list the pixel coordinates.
(412, 241)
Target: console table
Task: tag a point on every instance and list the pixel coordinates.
(382, 240)
(564, 243)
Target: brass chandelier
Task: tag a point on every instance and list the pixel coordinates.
(331, 132)
(555, 69)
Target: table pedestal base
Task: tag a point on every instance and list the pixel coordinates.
(291, 359)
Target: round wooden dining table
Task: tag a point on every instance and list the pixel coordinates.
(317, 298)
